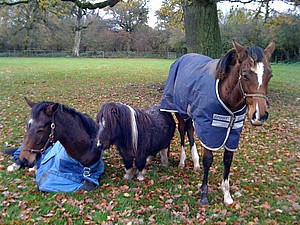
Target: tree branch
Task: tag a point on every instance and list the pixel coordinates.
(13, 2)
(90, 5)
(80, 3)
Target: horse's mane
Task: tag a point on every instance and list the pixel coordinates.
(87, 122)
(118, 113)
(114, 114)
(228, 61)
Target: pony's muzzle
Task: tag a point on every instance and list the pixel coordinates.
(25, 163)
(257, 119)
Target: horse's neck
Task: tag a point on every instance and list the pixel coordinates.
(78, 143)
(230, 91)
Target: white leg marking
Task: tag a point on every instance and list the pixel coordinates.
(13, 167)
(141, 174)
(225, 188)
(129, 174)
(134, 128)
(195, 157)
(182, 158)
(164, 157)
(150, 158)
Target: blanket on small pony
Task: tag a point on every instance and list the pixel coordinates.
(58, 172)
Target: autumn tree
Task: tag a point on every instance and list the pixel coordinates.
(128, 15)
(80, 10)
(200, 17)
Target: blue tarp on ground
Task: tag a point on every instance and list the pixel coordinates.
(58, 172)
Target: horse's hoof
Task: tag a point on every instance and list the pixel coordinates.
(203, 202)
(228, 201)
(197, 168)
(165, 164)
(140, 176)
(181, 166)
(127, 177)
(150, 158)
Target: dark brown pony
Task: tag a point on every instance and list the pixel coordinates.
(49, 122)
(136, 133)
(198, 84)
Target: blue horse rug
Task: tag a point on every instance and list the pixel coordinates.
(192, 90)
(58, 172)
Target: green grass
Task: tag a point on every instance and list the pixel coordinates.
(265, 171)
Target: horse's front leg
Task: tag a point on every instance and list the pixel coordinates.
(181, 129)
(190, 132)
(130, 170)
(164, 156)
(207, 161)
(227, 160)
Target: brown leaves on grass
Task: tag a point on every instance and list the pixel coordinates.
(264, 175)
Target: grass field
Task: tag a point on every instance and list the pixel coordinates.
(265, 174)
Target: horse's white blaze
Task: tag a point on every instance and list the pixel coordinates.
(225, 188)
(134, 129)
(182, 157)
(195, 157)
(98, 143)
(259, 70)
(257, 115)
(30, 121)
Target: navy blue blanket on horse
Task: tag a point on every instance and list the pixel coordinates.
(192, 91)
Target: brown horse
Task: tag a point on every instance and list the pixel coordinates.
(66, 141)
(212, 96)
(50, 122)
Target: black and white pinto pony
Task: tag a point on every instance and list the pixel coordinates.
(212, 96)
(137, 134)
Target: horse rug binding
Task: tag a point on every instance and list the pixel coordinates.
(192, 90)
(58, 172)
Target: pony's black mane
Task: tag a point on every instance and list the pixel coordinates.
(88, 123)
(227, 61)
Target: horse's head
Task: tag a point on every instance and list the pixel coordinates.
(40, 131)
(255, 73)
(107, 120)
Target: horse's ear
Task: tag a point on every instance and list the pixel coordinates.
(269, 50)
(51, 109)
(29, 102)
(240, 50)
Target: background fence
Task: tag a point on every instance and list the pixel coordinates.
(91, 54)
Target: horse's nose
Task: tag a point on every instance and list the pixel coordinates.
(23, 162)
(257, 119)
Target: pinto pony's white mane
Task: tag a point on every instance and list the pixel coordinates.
(134, 128)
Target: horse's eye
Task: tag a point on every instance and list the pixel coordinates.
(245, 75)
(40, 131)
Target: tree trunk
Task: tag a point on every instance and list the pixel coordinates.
(77, 40)
(77, 33)
(202, 29)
